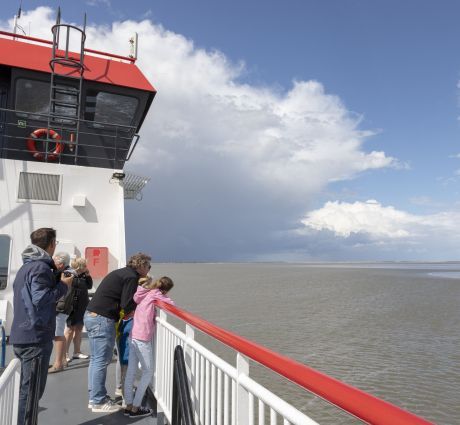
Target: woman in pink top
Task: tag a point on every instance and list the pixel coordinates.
(140, 345)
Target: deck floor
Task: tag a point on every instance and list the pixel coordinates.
(66, 397)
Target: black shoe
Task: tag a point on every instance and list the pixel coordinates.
(141, 412)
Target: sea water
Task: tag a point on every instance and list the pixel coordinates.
(392, 330)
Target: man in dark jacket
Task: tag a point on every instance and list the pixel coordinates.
(115, 292)
(35, 294)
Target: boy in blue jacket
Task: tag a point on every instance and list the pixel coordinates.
(36, 291)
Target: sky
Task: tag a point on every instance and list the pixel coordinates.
(288, 131)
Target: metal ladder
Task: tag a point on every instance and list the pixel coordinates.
(65, 99)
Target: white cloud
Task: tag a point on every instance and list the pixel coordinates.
(372, 224)
(233, 165)
(369, 217)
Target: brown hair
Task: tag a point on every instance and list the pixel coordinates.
(164, 284)
(139, 260)
(43, 237)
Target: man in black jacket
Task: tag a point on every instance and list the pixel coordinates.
(35, 294)
(114, 293)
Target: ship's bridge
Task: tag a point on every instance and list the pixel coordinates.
(58, 106)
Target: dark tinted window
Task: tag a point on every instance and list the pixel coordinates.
(110, 108)
(34, 96)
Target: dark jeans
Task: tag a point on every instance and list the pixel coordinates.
(26, 353)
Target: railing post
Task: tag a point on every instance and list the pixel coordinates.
(153, 384)
(242, 395)
(159, 369)
(17, 386)
(190, 367)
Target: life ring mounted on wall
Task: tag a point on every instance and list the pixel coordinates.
(41, 133)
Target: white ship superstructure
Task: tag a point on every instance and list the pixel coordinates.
(68, 124)
(85, 206)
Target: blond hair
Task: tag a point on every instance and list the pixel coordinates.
(78, 264)
(164, 284)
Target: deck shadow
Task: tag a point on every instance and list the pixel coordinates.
(116, 418)
(77, 365)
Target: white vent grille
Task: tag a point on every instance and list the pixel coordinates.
(39, 187)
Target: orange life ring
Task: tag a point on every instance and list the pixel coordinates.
(39, 133)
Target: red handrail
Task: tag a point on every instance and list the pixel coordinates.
(358, 403)
(41, 40)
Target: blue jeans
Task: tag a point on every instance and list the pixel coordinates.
(26, 353)
(139, 352)
(101, 335)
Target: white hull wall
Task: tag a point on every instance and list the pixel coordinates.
(99, 223)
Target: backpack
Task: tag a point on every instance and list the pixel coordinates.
(65, 304)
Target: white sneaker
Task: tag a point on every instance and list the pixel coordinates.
(90, 405)
(118, 392)
(80, 356)
(107, 407)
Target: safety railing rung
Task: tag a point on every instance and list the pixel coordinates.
(69, 92)
(62, 117)
(57, 102)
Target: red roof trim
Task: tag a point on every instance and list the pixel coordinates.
(41, 40)
(19, 54)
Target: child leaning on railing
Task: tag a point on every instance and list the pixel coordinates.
(140, 346)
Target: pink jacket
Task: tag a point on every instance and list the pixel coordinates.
(144, 316)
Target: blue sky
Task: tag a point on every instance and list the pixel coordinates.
(345, 136)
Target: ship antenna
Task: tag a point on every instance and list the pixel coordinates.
(58, 21)
(133, 46)
(16, 17)
(20, 9)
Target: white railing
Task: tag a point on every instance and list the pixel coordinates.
(9, 393)
(221, 394)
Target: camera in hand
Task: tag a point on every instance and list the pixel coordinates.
(69, 272)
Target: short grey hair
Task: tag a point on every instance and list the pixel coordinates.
(62, 258)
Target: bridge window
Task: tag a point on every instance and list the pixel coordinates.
(34, 96)
(109, 108)
(5, 242)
